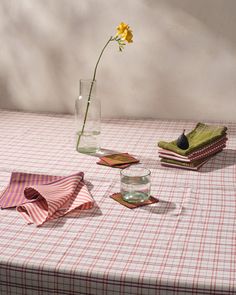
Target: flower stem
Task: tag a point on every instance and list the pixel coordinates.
(90, 92)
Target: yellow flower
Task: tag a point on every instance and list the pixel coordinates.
(124, 31)
(127, 36)
(121, 28)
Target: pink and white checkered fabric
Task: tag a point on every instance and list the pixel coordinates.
(40, 198)
(184, 244)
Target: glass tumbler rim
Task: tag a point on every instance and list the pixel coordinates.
(125, 171)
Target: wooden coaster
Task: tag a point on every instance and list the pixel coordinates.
(122, 166)
(118, 197)
(121, 160)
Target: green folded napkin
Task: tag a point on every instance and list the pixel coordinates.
(200, 136)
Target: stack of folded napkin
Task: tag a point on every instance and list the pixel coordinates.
(204, 142)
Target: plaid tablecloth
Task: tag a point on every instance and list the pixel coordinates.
(185, 244)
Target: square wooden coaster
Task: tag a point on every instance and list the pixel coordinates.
(118, 160)
(118, 197)
(121, 166)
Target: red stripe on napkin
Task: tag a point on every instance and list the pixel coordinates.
(47, 197)
(14, 193)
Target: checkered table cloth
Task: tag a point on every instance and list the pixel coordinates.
(185, 244)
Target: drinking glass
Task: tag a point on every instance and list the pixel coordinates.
(135, 184)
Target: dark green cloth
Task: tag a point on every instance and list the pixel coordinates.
(199, 137)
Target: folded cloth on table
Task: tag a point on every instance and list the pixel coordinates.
(195, 165)
(199, 137)
(203, 152)
(39, 198)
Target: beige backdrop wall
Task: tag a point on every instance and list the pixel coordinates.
(182, 64)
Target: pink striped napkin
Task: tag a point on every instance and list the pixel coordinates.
(39, 198)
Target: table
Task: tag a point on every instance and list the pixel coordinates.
(185, 244)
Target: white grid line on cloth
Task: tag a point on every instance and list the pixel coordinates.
(184, 244)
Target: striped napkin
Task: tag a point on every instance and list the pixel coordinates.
(39, 198)
(194, 165)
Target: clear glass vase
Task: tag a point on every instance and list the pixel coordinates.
(88, 118)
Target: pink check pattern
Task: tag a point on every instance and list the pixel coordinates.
(184, 244)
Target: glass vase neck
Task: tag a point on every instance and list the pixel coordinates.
(88, 87)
